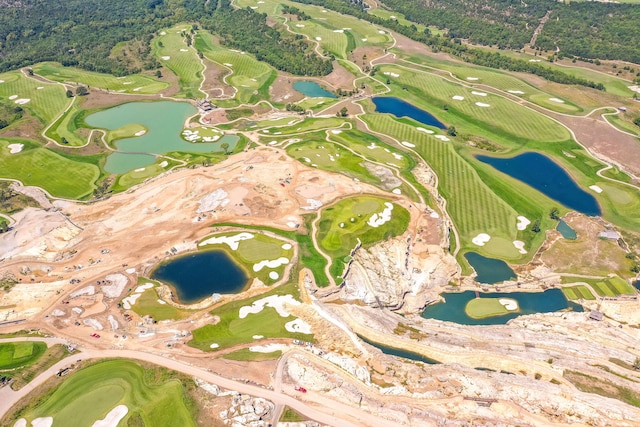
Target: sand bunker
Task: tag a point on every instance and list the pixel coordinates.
(94, 324)
(23, 101)
(519, 245)
(228, 64)
(634, 88)
(472, 79)
(556, 100)
(481, 239)
(516, 92)
(159, 301)
(42, 422)
(164, 33)
(509, 304)
(275, 301)
(274, 275)
(298, 326)
(57, 313)
(139, 169)
(118, 283)
(258, 337)
(140, 132)
(40, 88)
(299, 25)
(478, 93)
(596, 188)
(184, 50)
(214, 345)
(442, 138)
(166, 58)
(429, 131)
(396, 191)
(313, 204)
(338, 31)
(386, 73)
(211, 201)
(319, 38)
(269, 348)
(286, 246)
(381, 32)
(336, 131)
(113, 417)
(15, 148)
(270, 263)
(377, 219)
(482, 104)
(21, 422)
(1, 81)
(232, 241)
(88, 290)
(113, 322)
(523, 222)
(140, 289)
(408, 144)
(130, 270)
(457, 98)
(12, 97)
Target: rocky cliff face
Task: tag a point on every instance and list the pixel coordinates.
(399, 275)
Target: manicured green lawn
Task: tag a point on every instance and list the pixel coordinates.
(479, 308)
(247, 355)
(152, 396)
(46, 103)
(148, 305)
(578, 292)
(171, 49)
(19, 354)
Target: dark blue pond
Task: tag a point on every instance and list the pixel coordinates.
(197, 276)
(452, 310)
(636, 284)
(566, 231)
(399, 352)
(400, 108)
(490, 270)
(312, 89)
(546, 176)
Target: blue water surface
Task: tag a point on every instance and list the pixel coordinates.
(312, 89)
(490, 270)
(400, 108)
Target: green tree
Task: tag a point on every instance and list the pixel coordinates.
(159, 74)
(343, 112)
(4, 225)
(82, 91)
(637, 121)
(69, 94)
(225, 146)
(535, 227)
(554, 214)
(451, 131)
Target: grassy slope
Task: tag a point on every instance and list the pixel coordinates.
(183, 60)
(45, 103)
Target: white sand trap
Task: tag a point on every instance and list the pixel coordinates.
(113, 417)
(429, 131)
(232, 241)
(396, 191)
(509, 304)
(481, 239)
(77, 310)
(472, 79)
(88, 290)
(258, 337)
(286, 246)
(184, 50)
(269, 348)
(482, 104)
(319, 38)
(94, 324)
(42, 422)
(130, 301)
(275, 263)
(140, 289)
(275, 301)
(214, 345)
(139, 169)
(140, 132)
(166, 58)
(596, 188)
(408, 144)
(377, 219)
(336, 131)
(338, 31)
(164, 33)
(159, 301)
(212, 200)
(254, 7)
(299, 25)
(228, 64)
(57, 313)
(381, 32)
(560, 101)
(1, 81)
(292, 224)
(164, 164)
(478, 93)
(523, 222)
(442, 138)
(12, 97)
(118, 283)
(113, 322)
(519, 245)
(313, 204)
(130, 270)
(516, 92)
(40, 88)
(127, 83)
(15, 148)
(364, 40)
(457, 98)
(634, 88)
(274, 275)
(534, 60)
(22, 101)
(298, 326)
(21, 422)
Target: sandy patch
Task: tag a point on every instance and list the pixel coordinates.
(382, 32)
(164, 33)
(509, 304)
(275, 301)
(184, 50)
(12, 97)
(313, 204)
(457, 98)
(139, 169)
(634, 88)
(596, 188)
(57, 313)
(472, 79)
(77, 310)
(319, 38)
(478, 93)
(299, 25)
(482, 104)
(408, 144)
(377, 219)
(140, 289)
(429, 131)
(338, 31)
(396, 191)
(258, 337)
(336, 131)
(87, 290)
(523, 222)
(214, 345)
(23, 101)
(1, 81)
(274, 275)
(516, 92)
(21, 422)
(42, 422)
(159, 301)
(286, 246)
(40, 88)
(113, 322)
(113, 417)
(140, 133)
(232, 241)
(560, 101)
(298, 326)
(270, 263)
(534, 60)
(164, 164)
(442, 138)
(481, 239)
(93, 323)
(166, 58)
(118, 283)
(15, 148)
(211, 201)
(269, 348)
(519, 245)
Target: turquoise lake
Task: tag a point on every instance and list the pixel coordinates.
(452, 310)
(490, 270)
(312, 89)
(566, 231)
(164, 121)
(197, 276)
(393, 351)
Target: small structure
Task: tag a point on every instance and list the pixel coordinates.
(205, 105)
(609, 234)
(596, 315)
(623, 109)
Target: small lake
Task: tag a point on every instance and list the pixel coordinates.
(453, 309)
(546, 176)
(197, 276)
(393, 351)
(312, 89)
(400, 108)
(164, 121)
(490, 270)
(566, 231)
